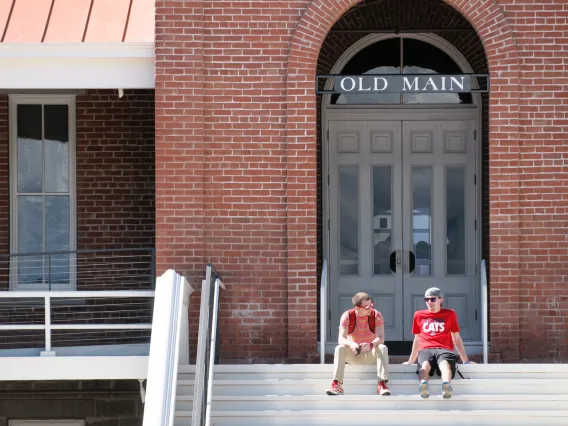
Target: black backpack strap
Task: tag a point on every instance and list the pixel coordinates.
(459, 372)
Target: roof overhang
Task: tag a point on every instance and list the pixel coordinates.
(76, 65)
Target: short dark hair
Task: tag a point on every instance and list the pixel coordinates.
(360, 298)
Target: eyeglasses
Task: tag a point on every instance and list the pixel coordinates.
(430, 299)
(367, 307)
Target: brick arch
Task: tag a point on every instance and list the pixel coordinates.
(301, 135)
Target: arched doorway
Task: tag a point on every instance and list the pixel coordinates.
(401, 198)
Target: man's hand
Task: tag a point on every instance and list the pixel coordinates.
(354, 348)
(365, 347)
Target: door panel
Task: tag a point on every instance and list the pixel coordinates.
(439, 216)
(365, 218)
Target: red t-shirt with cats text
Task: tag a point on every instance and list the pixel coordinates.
(434, 329)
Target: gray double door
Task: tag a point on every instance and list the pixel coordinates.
(402, 203)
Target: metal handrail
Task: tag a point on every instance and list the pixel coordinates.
(206, 348)
(168, 348)
(48, 326)
(212, 350)
(484, 312)
(75, 265)
(323, 310)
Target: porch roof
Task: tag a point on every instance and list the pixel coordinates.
(76, 44)
(66, 21)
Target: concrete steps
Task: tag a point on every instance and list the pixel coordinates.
(494, 394)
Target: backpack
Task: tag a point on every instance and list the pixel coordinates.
(353, 321)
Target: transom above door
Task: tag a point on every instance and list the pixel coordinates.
(402, 203)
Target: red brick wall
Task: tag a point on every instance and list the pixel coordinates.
(221, 157)
(115, 170)
(541, 34)
(236, 154)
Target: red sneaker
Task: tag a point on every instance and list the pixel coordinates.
(335, 389)
(382, 389)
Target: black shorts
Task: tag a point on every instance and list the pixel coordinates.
(436, 355)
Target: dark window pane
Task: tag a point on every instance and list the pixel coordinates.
(56, 148)
(423, 58)
(379, 58)
(56, 123)
(29, 148)
(29, 122)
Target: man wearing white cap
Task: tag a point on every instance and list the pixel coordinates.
(436, 332)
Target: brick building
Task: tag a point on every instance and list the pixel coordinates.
(238, 116)
(194, 130)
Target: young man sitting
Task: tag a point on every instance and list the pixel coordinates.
(361, 342)
(436, 331)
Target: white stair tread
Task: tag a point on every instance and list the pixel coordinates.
(398, 413)
(379, 398)
(395, 368)
(456, 382)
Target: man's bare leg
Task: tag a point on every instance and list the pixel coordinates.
(446, 371)
(424, 373)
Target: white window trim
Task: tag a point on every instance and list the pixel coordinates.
(14, 101)
(46, 423)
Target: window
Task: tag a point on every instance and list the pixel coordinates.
(42, 186)
(392, 55)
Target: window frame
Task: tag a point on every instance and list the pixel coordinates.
(13, 102)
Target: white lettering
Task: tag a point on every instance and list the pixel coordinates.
(361, 88)
(430, 326)
(431, 83)
(342, 84)
(406, 83)
(455, 80)
(385, 84)
(443, 83)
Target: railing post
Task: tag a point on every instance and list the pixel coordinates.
(198, 414)
(484, 312)
(212, 343)
(48, 351)
(153, 269)
(323, 311)
(49, 272)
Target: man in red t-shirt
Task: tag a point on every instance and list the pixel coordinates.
(436, 331)
(359, 345)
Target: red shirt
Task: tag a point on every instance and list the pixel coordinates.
(435, 328)
(362, 333)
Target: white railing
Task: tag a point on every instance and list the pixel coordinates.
(49, 296)
(206, 348)
(323, 311)
(484, 312)
(169, 346)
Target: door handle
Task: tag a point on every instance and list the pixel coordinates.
(411, 262)
(395, 260)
